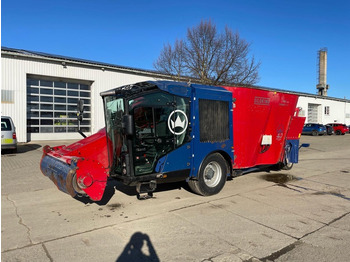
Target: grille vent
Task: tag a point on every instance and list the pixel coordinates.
(214, 120)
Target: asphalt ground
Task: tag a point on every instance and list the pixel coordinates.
(296, 215)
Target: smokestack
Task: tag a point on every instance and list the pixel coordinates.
(322, 72)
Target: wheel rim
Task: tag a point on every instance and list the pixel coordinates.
(212, 174)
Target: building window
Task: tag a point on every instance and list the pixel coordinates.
(7, 96)
(52, 106)
(326, 110)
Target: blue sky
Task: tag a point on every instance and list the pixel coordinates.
(284, 35)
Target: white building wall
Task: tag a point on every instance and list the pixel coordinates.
(339, 110)
(14, 77)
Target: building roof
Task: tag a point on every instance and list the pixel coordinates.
(151, 73)
(67, 59)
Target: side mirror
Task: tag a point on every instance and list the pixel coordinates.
(128, 125)
(81, 106)
(80, 109)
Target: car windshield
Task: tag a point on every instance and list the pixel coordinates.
(5, 124)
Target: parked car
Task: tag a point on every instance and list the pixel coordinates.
(330, 130)
(8, 134)
(339, 129)
(314, 129)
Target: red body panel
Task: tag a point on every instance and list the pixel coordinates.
(87, 159)
(295, 128)
(259, 113)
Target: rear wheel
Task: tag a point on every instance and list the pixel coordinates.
(338, 132)
(211, 176)
(314, 133)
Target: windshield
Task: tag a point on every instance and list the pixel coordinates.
(161, 122)
(114, 108)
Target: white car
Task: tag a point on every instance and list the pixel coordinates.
(8, 134)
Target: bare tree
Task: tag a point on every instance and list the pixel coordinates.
(211, 57)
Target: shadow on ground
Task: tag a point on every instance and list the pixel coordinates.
(21, 149)
(113, 185)
(134, 250)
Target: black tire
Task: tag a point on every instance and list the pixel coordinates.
(314, 133)
(211, 177)
(338, 132)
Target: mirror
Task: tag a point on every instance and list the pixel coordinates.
(80, 109)
(128, 125)
(81, 106)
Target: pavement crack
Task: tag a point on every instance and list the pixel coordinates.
(338, 218)
(257, 222)
(20, 220)
(189, 206)
(47, 252)
(281, 252)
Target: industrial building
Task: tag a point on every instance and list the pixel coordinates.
(40, 92)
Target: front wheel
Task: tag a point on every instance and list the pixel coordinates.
(211, 177)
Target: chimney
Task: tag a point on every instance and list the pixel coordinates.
(322, 72)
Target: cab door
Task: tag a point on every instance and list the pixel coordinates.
(161, 130)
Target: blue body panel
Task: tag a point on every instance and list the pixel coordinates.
(179, 89)
(192, 154)
(202, 149)
(292, 152)
(179, 159)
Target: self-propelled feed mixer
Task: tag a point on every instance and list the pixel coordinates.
(159, 132)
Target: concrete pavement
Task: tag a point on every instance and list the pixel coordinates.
(296, 215)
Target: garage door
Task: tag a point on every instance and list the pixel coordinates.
(52, 108)
(312, 115)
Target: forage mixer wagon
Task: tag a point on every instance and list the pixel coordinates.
(162, 131)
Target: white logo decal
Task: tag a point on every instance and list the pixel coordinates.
(178, 126)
